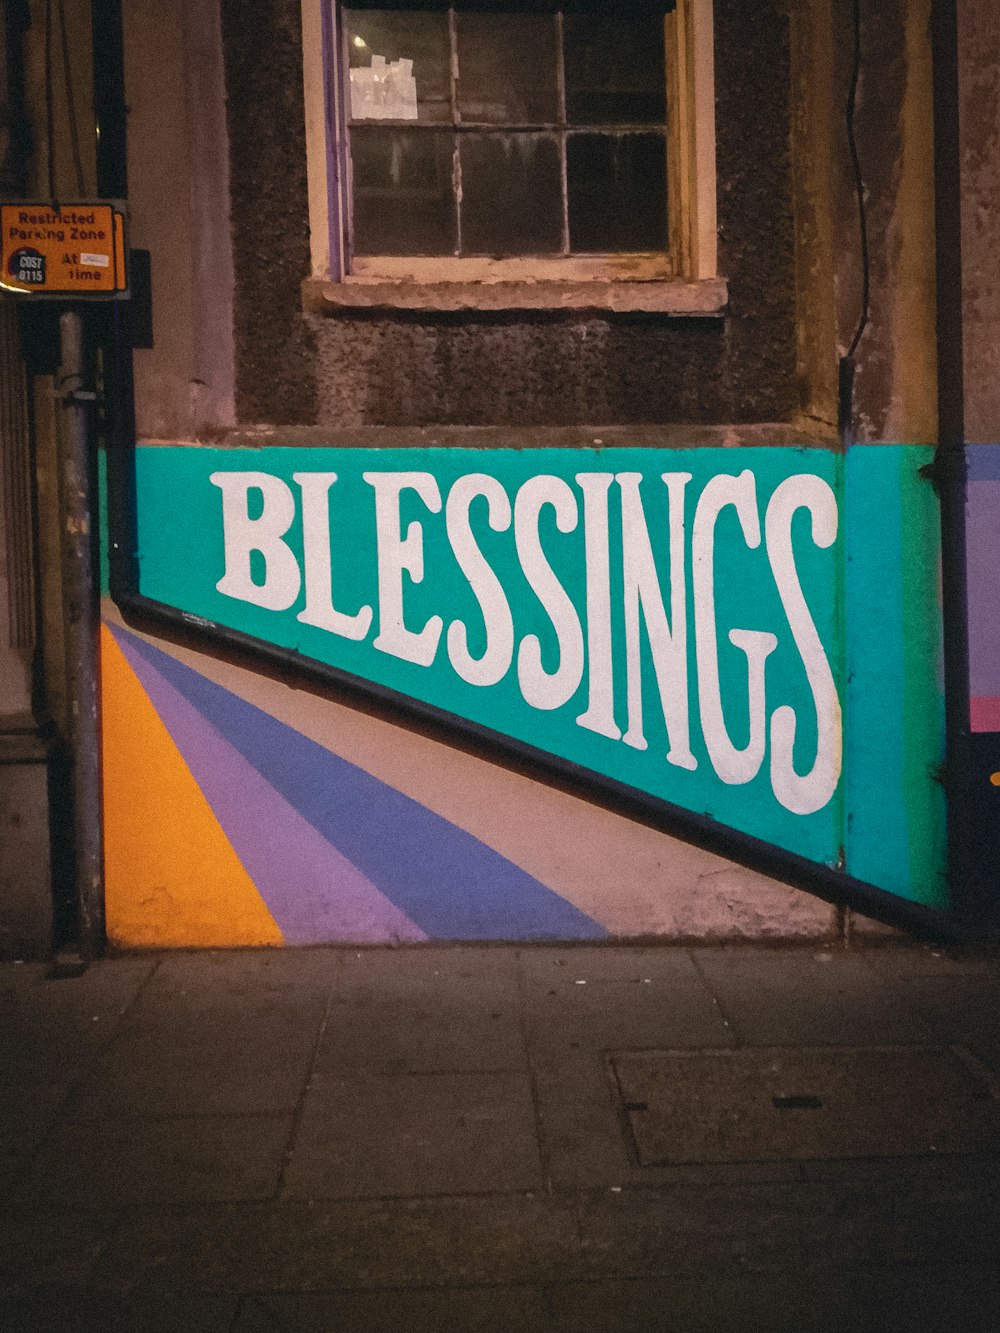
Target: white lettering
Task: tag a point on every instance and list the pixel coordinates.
(319, 609)
(397, 555)
(811, 791)
(499, 651)
(733, 765)
(600, 713)
(667, 643)
(242, 535)
(541, 688)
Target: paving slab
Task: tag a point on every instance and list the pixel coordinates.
(53, 1029)
(808, 997)
(961, 1008)
(415, 1134)
(508, 1239)
(793, 1226)
(936, 1300)
(178, 1159)
(593, 999)
(953, 1173)
(62, 1310)
(563, 964)
(54, 1246)
(906, 960)
(425, 1010)
(697, 1230)
(451, 1033)
(457, 1310)
(205, 1064)
(247, 978)
(27, 1113)
(405, 969)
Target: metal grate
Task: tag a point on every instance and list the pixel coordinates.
(801, 1104)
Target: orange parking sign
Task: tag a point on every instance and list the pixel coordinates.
(70, 251)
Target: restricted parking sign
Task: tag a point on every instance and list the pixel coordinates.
(66, 251)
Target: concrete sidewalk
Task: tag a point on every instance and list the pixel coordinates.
(503, 1139)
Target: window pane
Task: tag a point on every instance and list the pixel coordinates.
(400, 65)
(404, 201)
(507, 69)
(617, 192)
(614, 70)
(511, 194)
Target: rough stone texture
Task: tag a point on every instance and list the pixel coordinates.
(732, 903)
(266, 116)
(753, 169)
(411, 369)
(856, 923)
(548, 370)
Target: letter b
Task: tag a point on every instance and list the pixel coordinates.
(242, 535)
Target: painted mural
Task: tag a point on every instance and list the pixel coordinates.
(756, 642)
(982, 524)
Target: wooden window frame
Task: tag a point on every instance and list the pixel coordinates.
(683, 281)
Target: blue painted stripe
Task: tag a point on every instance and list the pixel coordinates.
(982, 462)
(447, 881)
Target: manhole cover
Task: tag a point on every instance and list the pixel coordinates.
(780, 1104)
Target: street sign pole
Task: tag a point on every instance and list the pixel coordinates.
(76, 397)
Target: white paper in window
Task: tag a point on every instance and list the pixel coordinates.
(384, 90)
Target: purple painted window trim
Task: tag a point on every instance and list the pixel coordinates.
(336, 164)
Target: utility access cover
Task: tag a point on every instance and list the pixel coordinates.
(779, 1104)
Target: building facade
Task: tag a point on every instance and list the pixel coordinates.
(532, 526)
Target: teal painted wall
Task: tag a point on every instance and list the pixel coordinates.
(834, 557)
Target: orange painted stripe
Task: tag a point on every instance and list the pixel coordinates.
(172, 878)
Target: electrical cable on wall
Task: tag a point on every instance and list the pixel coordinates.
(845, 414)
(50, 131)
(74, 136)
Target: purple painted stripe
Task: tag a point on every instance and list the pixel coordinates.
(982, 540)
(333, 117)
(313, 892)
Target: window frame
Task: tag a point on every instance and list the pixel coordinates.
(683, 280)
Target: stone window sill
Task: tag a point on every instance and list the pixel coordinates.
(675, 297)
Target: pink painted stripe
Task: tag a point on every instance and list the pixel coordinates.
(314, 893)
(984, 712)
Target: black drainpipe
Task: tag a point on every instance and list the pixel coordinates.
(117, 332)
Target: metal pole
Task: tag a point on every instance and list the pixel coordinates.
(949, 463)
(81, 628)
